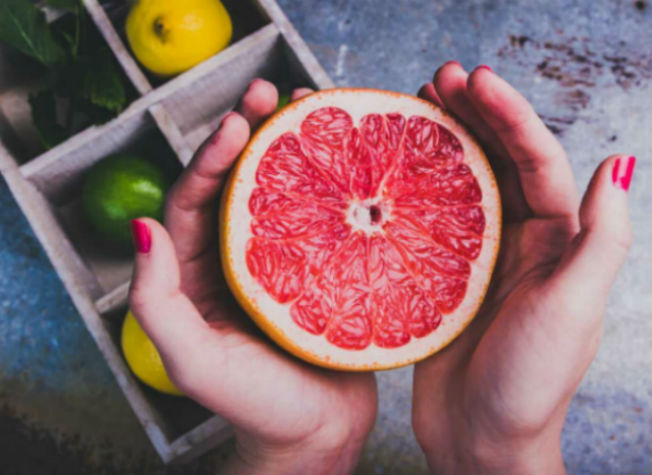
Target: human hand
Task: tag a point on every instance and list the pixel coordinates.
(289, 417)
(495, 400)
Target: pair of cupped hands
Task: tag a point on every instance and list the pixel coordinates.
(493, 401)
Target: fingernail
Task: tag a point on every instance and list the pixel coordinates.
(228, 114)
(142, 236)
(621, 174)
(452, 61)
(484, 66)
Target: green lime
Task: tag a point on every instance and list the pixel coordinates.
(120, 188)
(283, 99)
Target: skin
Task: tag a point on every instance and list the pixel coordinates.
(494, 401)
(289, 417)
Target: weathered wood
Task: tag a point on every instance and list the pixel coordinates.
(204, 437)
(16, 118)
(211, 89)
(114, 299)
(303, 54)
(171, 132)
(128, 63)
(57, 172)
(48, 230)
(110, 268)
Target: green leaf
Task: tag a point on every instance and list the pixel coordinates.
(71, 23)
(102, 82)
(23, 26)
(44, 115)
(70, 5)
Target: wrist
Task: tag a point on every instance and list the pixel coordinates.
(532, 455)
(322, 454)
(460, 444)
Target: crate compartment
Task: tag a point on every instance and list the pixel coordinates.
(22, 76)
(246, 18)
(60, 180)
(199, 102)
(176, 415)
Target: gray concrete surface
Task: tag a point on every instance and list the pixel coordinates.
(587, 68)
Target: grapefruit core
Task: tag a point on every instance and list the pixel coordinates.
(359, 228)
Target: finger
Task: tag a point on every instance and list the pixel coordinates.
(258, 102)
(300, 92)
(194, 353)
(590, 265)
(450, 84)
(190, 206)
(165, 313)
(545, 174)
(450, 81)
(429, 93)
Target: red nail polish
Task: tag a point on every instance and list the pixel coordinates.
(621, 174)
(142, 236)
(484, 66)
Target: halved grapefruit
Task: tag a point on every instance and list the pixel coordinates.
(360, 227)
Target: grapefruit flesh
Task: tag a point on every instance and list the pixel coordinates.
(360, 227)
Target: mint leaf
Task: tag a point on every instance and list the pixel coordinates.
(102, 82)
(23, 26)
(73, 22)
(70, 5)
(44, 115)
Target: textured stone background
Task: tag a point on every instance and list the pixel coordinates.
(587, 68)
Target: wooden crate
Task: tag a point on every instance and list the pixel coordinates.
(173, 118)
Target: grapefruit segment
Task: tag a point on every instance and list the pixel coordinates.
(446, 186)
(280, 267)
(337, 299)
(360, 227)
(400, 307)
(323, 136)
(373, 151)
(286, 168)
(359, 162)
(350, 325)
(458, 229)
(279, 216)
(440, 272)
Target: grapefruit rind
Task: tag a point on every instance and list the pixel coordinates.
(273, 317)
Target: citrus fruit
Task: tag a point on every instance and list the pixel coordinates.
(171, 36)
(143, 357)
(359, 228)
(120, 188)
(283, 100)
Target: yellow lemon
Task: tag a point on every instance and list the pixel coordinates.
(143, 358)
(171, 36)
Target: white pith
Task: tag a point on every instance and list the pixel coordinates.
(358, 215)
(357, 102)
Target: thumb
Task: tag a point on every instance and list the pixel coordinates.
(167, 316)
(595, 256)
